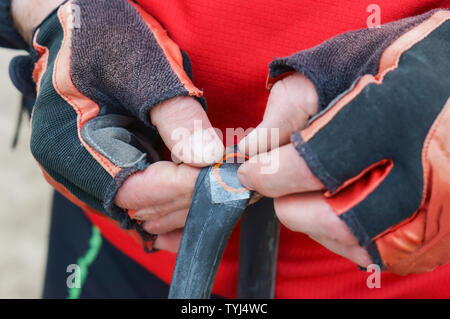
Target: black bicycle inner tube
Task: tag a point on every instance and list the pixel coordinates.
(218, 202)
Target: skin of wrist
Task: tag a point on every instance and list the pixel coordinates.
(27, 15)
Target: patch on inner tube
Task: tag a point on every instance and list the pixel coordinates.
(224, 182)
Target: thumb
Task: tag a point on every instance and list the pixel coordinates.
(187, 132)
(292, 101)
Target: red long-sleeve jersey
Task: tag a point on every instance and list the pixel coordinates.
(230, 44)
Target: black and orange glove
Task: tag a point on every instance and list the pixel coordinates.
(369, 114)
(99, 68)
(381, 143)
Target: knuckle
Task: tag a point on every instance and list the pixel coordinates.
(155, 227)
(186, 176)
(157, 212)
(162, 173)
(175, 110)
(286, 100)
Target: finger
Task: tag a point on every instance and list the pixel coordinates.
(169, 241)
(279, 172)
(187, 132)
(166, 223)
(160, 183)
(292, 101)
(355, 253)
(311, 215)
(158, 211)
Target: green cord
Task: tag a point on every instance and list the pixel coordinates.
(95, 242)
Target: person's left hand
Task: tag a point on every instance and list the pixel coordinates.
(299, 203)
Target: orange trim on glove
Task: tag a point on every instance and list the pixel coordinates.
(389, 62)
(85, 108)
(170, 49)
(41, 65)
(356, 189)
(422, 242)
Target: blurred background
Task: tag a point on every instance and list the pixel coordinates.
(24, 201)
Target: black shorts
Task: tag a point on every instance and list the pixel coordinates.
(105, 271)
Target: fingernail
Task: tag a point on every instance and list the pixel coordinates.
(138, 216)
(243, 178)
(206, 147)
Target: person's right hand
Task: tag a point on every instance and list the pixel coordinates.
(106, 74)
(162, 194)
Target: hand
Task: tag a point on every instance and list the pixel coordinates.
(374, 163)
(299, 203)
(96, 104)
(162, 194)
